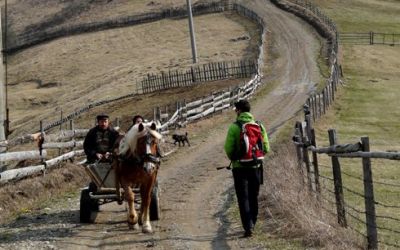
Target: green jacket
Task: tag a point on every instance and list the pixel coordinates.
(232, 141)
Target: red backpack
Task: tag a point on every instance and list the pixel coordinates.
(251, 148)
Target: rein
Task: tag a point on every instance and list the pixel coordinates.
(141, 160)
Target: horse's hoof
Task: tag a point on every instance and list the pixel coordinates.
(147, 229)
(120, 202)
(133, 226)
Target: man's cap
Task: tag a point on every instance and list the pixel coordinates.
(102, 117)
(137, 117)
(242, 105)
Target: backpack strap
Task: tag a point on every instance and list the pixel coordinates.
(240, 124)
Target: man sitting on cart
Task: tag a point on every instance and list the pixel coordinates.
(100, 140)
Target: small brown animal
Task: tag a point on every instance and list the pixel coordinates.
(181, 139)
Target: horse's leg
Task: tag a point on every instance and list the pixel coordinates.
(132, 215)
(117, 179)
(118, 189)
(145, 193)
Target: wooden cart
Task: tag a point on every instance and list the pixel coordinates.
(101, 190)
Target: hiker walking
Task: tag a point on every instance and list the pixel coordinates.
(245, 145)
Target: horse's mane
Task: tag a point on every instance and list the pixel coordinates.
(129, 142)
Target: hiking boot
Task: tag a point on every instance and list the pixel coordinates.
(248, 233)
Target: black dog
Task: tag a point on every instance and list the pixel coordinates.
(181, 139)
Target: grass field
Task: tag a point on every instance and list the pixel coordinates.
(368, 105)
(363, 15)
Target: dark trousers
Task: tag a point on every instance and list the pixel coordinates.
(247, 186)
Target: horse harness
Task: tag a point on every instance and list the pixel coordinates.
(148, 157)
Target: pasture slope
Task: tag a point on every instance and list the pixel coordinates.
(195, 196)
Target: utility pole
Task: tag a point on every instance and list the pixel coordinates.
(191, 29)
(3, 85)
(3, 78)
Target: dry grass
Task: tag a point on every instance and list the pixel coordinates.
(292, 212)
(71, 72)
(27, 15)
(26, 195)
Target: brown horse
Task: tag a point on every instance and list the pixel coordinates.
(138, 169)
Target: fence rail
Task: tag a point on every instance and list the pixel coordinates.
(304, 140)
(370, 38)
(208, 72)
(37, 35)
(185, 112)
(314, 108)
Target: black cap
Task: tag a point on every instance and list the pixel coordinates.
(137, 117)
(102, 117)
(242, 105)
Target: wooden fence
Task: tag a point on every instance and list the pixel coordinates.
(37, 35)
(187, 112)
(318, 103)
(316, 106)
(305, 142)
(68, 143)
(163, 80)
(369, 38)
(71, 140)
(196, 74)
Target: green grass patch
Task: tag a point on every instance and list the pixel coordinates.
(367, 105)
(363, 15)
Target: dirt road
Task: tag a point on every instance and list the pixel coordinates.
(195, 196)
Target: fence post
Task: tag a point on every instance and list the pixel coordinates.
(184, 113)
(299, 137)
(372, 234)
(193, 74)
(41, 140)
(306, 141)
(324, 100)
(7, 125)
(308, 126)
(72, 127)
(61, 119)
(371, 38)
(315, 162)
(157, 114)
(337, 179)
(314, 107)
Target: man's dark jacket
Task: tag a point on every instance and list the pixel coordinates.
(100, 141)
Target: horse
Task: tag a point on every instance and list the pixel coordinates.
(136, 165)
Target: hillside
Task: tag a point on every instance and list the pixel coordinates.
(68, 73)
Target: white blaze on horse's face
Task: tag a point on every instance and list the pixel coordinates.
(148, 165)
(151, 132)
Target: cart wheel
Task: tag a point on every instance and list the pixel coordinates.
(94, 203)
(87, 206)
(155, 210)
(92, 187)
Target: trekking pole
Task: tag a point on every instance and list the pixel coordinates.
(228, 167)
